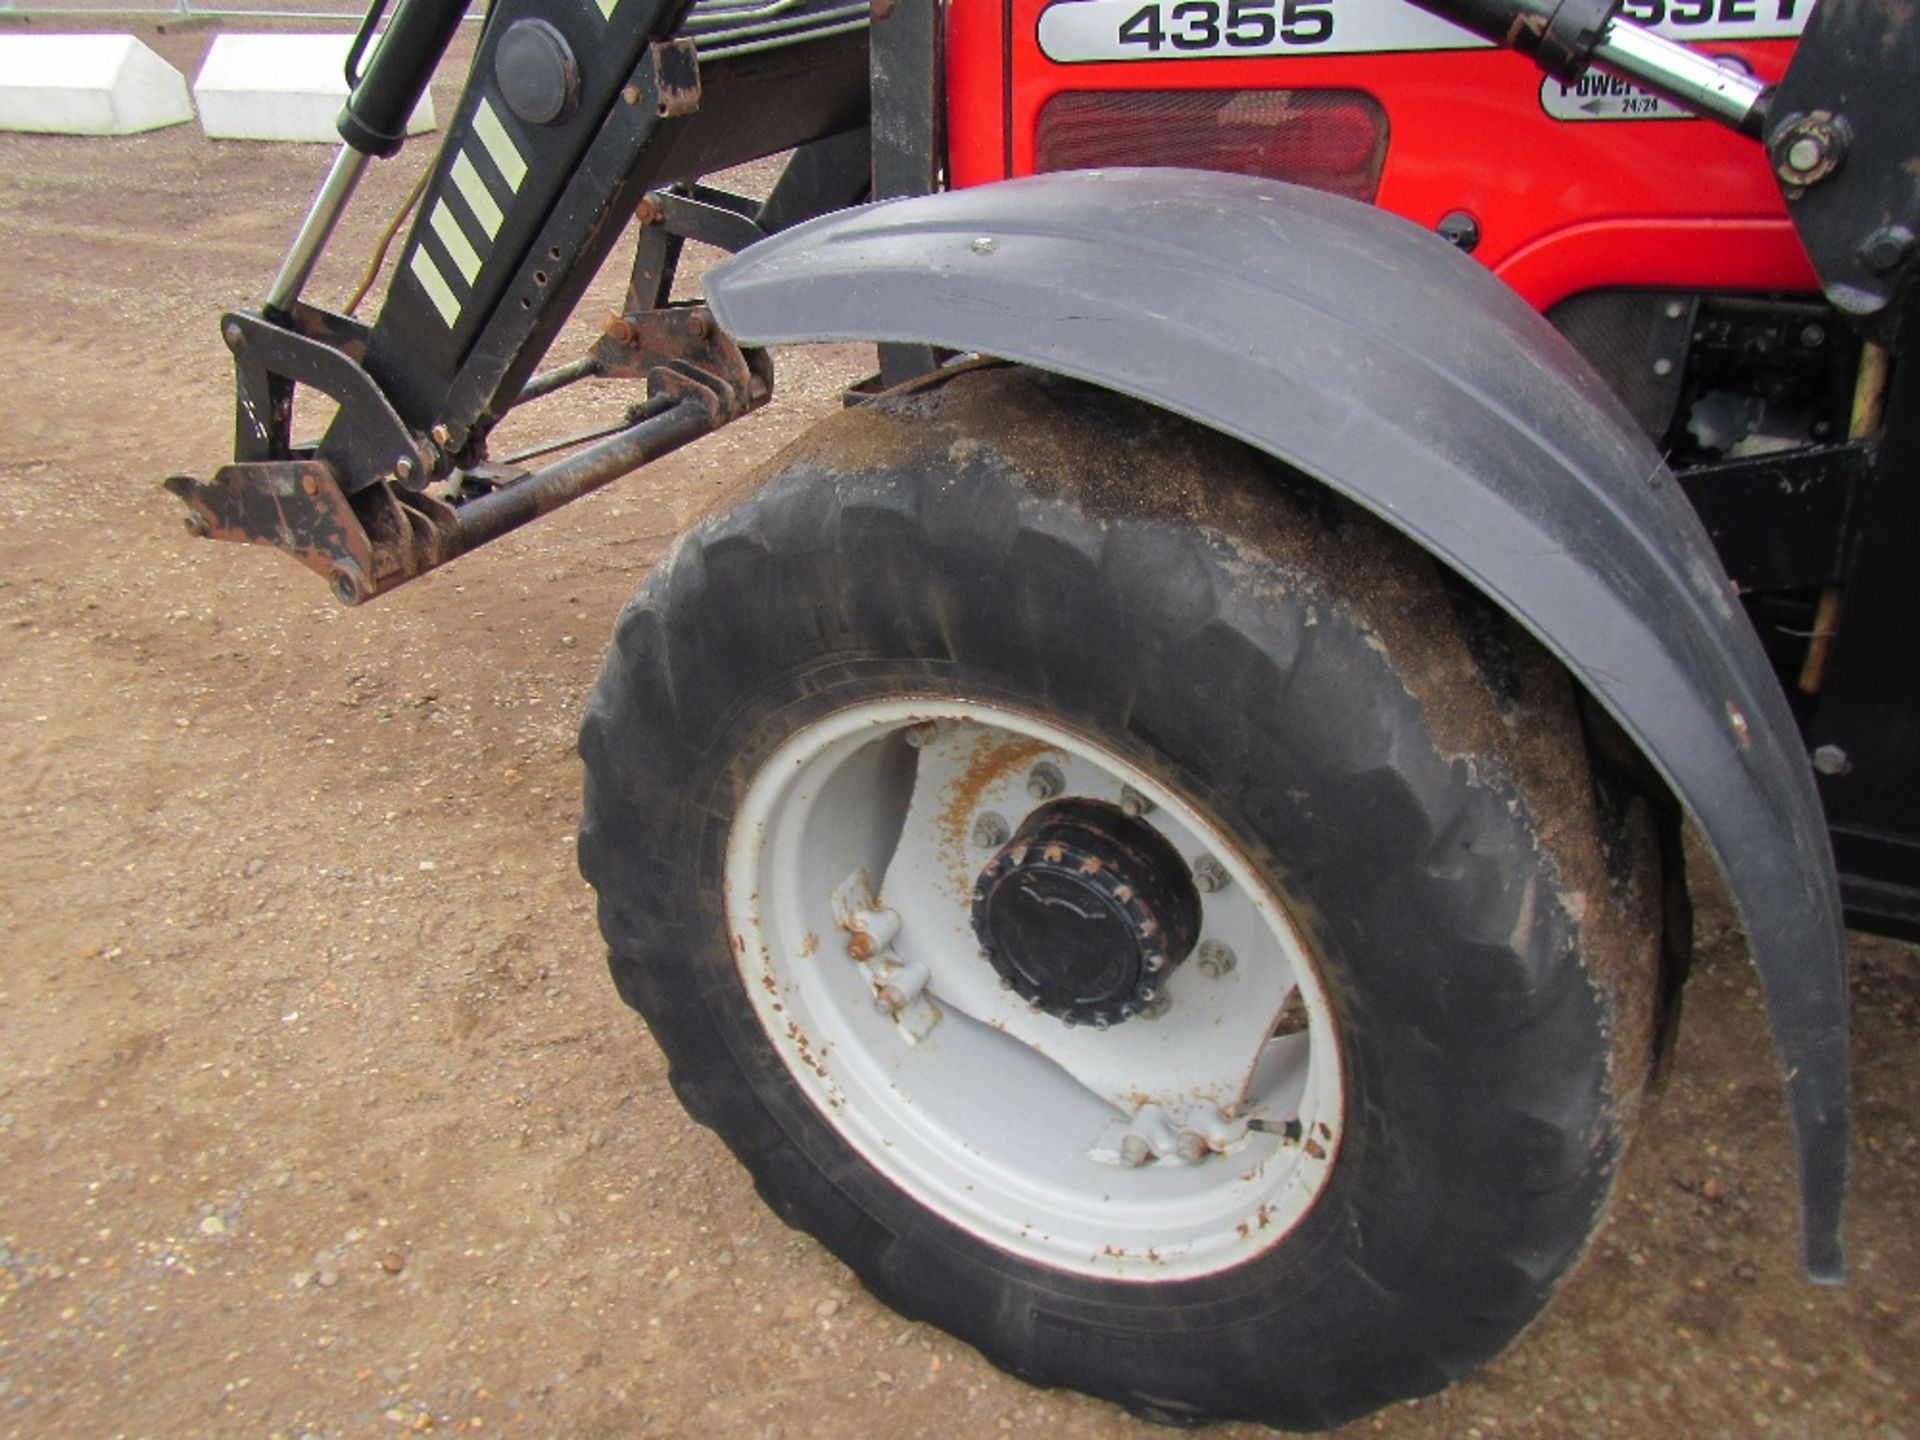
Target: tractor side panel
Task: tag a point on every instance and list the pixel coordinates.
(1566, 188)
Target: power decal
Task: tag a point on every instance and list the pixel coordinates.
(1597, 96)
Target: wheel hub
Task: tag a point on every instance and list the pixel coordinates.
(1086, 911)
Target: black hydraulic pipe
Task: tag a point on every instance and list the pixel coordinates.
(374, 119)
(546, 490)
(1559, 35)
(558, 378)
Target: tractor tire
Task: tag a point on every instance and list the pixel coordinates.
(1336, 862)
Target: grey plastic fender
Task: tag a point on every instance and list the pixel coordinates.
(1378, 359)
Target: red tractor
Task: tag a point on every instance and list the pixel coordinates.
(1155, 833)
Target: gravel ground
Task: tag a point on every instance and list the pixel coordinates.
(317, 1113)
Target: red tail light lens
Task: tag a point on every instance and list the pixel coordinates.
(1332, 140)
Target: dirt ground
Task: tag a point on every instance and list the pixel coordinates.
(318, 1115)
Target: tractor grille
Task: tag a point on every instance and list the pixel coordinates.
(719, 28)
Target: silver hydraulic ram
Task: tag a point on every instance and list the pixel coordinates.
(373, 123)
(1567, 37)
(1689, 79)
(325, 212)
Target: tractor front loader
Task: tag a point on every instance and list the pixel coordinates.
(1155, 833)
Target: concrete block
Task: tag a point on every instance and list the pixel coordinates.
(87, 85)
(280, 87)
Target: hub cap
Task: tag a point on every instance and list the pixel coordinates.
(1086, 911)
(962, 928)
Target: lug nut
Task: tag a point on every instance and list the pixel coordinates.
(924, 734)
(1209, 875)
(1045, 781)
(990, 831)
(348, 586)
(1155, 1005)
(1805, 154)
(1831, 760)
(1215, 959)
(1134, 1150)
(1887, 249)
(1133, 803)
(897, 993)
(1192, 1147)
(402, 468)
(1805, 149)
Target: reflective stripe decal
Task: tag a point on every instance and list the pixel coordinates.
(435, 284)
(479, 198)
(459, 249)
(606, 8)
(499, 145)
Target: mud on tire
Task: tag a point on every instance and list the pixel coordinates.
(1394, 762)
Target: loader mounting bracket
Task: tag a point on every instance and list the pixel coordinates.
(361, 545)
(368, 438)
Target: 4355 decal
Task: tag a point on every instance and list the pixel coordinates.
(1236, 25)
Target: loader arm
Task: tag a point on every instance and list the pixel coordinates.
(573, 123)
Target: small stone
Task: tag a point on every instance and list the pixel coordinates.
(327, 1279)
(213, 1225)
(255, 866)
(827, 1309)
(724, 1258)
(393, 1262)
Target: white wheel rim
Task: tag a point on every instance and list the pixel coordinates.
(1007, 1123)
